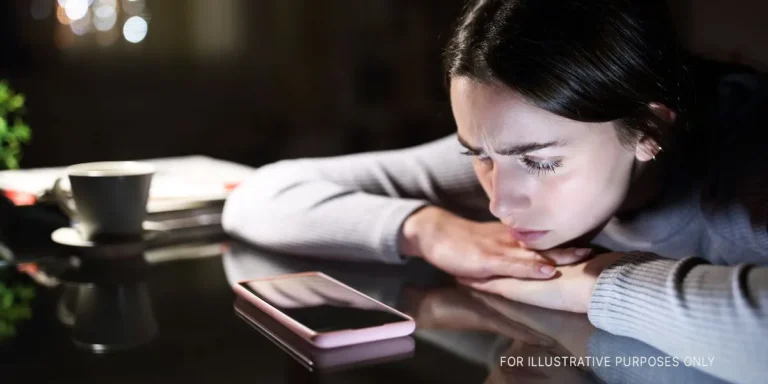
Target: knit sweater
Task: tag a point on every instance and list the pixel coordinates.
(698, 287)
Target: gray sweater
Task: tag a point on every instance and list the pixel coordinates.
(700, 289)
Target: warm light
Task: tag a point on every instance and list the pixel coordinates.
(105, 18)
(82, 25)
(40, 9)
(76, 9)
(61, 15)
(135, 29)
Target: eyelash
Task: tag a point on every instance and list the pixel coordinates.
(539, 168)
(533, 167)
(474, 154)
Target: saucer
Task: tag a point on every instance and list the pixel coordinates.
(71, 237)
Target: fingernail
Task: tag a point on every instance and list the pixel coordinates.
(547, 269)
(583, 251)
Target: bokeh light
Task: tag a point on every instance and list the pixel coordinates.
(82, 25)
(135, 29)
(76, 9)
(109, 3)
(104, 17)
(61, 15)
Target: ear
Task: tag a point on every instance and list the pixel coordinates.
(646, 149)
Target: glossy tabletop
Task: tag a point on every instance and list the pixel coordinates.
(167, 313)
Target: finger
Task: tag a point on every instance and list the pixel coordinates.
(563, 256)
(508, 265)
(526, 254)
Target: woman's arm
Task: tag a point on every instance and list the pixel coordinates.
(689, 308)
(353, 206)
(713, 315)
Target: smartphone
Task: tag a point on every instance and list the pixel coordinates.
(324, 311)
(319, 359)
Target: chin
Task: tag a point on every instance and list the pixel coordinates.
(542, 245)
(549, 242)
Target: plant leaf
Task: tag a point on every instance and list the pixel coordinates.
(3, 127)
(15, 103)
(11, 162)
(6, 300)
(22, 131)
(5, 92)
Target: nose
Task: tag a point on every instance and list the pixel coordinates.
(508, 196)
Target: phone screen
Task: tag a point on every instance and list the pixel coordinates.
(321, 304)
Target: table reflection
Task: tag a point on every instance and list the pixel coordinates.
(107, 304)
(481, 328)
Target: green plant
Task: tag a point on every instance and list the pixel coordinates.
(13, 131)
(15, 306)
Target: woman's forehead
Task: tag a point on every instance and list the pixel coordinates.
(498, 113)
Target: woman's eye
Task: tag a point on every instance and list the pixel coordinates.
(541, 167)
(478, 155)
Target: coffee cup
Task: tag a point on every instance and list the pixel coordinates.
(110, 198)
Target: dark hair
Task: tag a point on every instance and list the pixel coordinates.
(586, 60)
(590, 61)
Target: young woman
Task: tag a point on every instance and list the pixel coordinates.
(585, 131)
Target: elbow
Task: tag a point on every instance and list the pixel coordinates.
(253, 200)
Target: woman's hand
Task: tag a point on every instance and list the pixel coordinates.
(466, 248)
(570, 289)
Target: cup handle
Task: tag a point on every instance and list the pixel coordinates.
(62, 200)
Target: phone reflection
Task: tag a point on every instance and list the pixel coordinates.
(324, 360)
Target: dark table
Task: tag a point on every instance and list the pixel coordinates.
(166, 315)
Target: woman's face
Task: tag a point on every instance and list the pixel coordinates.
(542, 172)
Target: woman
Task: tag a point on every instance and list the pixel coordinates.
(584, 131)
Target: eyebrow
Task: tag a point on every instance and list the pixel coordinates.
(515, 150)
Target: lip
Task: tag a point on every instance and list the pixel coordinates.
(524, 234)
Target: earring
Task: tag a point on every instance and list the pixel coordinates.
(657, 151)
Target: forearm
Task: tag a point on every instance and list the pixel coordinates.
(317, 218)
(688, 308)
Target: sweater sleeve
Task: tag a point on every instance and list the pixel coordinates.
(689, 309)
(350, 207)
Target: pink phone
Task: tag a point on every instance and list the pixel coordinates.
(324, 311)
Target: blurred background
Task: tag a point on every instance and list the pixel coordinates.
(254, 81)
